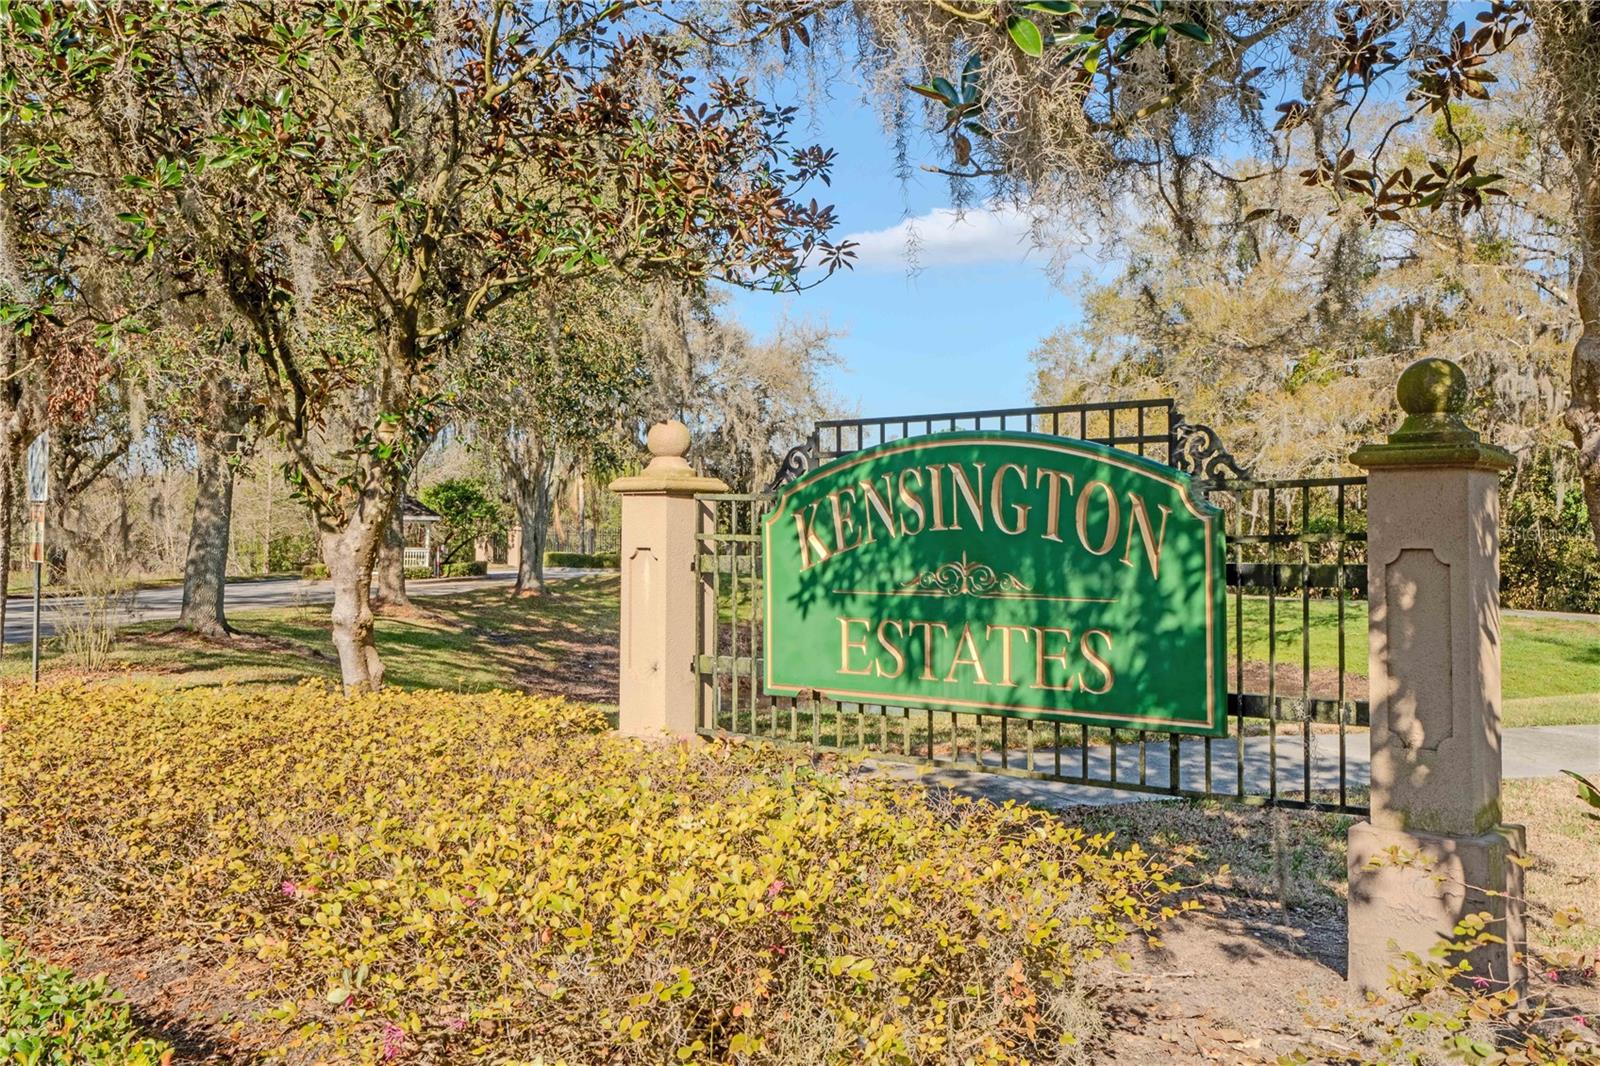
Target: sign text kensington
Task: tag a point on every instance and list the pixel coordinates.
(1006, 573)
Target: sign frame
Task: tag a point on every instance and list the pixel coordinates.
(785, 675)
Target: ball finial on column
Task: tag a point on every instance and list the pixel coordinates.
(1433, 394)
(668, 443)
(1432, 386)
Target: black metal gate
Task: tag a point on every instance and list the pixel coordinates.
(1297, 579)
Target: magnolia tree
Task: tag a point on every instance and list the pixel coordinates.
(364, 181)
(1084, 107)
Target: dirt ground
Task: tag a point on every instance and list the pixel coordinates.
(1323, 681)
(1258, 974)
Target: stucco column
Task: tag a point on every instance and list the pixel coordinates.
(1434, 848)
(661, 592)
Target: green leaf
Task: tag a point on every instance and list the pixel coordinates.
(1586, 789)
(1054, 7)
(1192, 30)
(947, 91)
(1025, 35)
(969, 78)
(1131, 42)
(929, 91)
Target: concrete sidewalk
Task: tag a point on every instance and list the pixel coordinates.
(1535, 751)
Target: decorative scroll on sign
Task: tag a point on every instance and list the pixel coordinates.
(1009, 573)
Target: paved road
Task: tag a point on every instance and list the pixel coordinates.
(1559, 616)
(1533, 751)
(164, 604)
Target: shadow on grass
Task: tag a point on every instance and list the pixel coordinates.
(563, 643)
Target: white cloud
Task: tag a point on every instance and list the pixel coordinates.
(992, 233)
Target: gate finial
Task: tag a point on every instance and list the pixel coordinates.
(1433, 393)
(668, 443)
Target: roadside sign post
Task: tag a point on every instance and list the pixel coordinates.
(38, 495)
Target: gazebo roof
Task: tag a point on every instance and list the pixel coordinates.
(414, 510)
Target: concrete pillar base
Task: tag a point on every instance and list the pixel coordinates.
(1423, 885)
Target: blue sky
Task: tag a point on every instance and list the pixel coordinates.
(954, 336)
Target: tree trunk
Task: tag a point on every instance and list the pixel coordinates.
(1583, 405)
(205, 568)
(1583, 409)
(8, 480)
(389, 573)
(349, 554)
(531, 484)
(1569, 55)
(58, 549)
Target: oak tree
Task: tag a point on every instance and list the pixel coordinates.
(1112, 108)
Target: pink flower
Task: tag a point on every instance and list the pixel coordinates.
(1581, 1020)
(1480, 982)
(1553, 977)
(457, 1025)
(289, 888)
(394, 1041)
(776, 887)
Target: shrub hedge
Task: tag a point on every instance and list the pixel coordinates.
(443, 878)
(49, 1016)
(468, 568)
(584, 560)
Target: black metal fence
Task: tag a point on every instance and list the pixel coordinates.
(1297, 633)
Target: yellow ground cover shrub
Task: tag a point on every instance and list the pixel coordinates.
(433, 877)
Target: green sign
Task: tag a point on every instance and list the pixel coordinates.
(1007, 573)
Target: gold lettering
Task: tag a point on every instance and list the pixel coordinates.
(997, 504)
(1112, 518)
(965, 642)
(927, 645)
(936, 475)
(871, 501)
(1098, 663)
(892, 648)
(807, 527)
(1052, 524)
(1152, 542)
(958, 480)
(843, 519)
(1005, 647)
(912, 501)
(846, 646)
(1041, 656)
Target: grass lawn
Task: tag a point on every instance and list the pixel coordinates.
(1550, 668)
(564, 642)
(567, 642)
